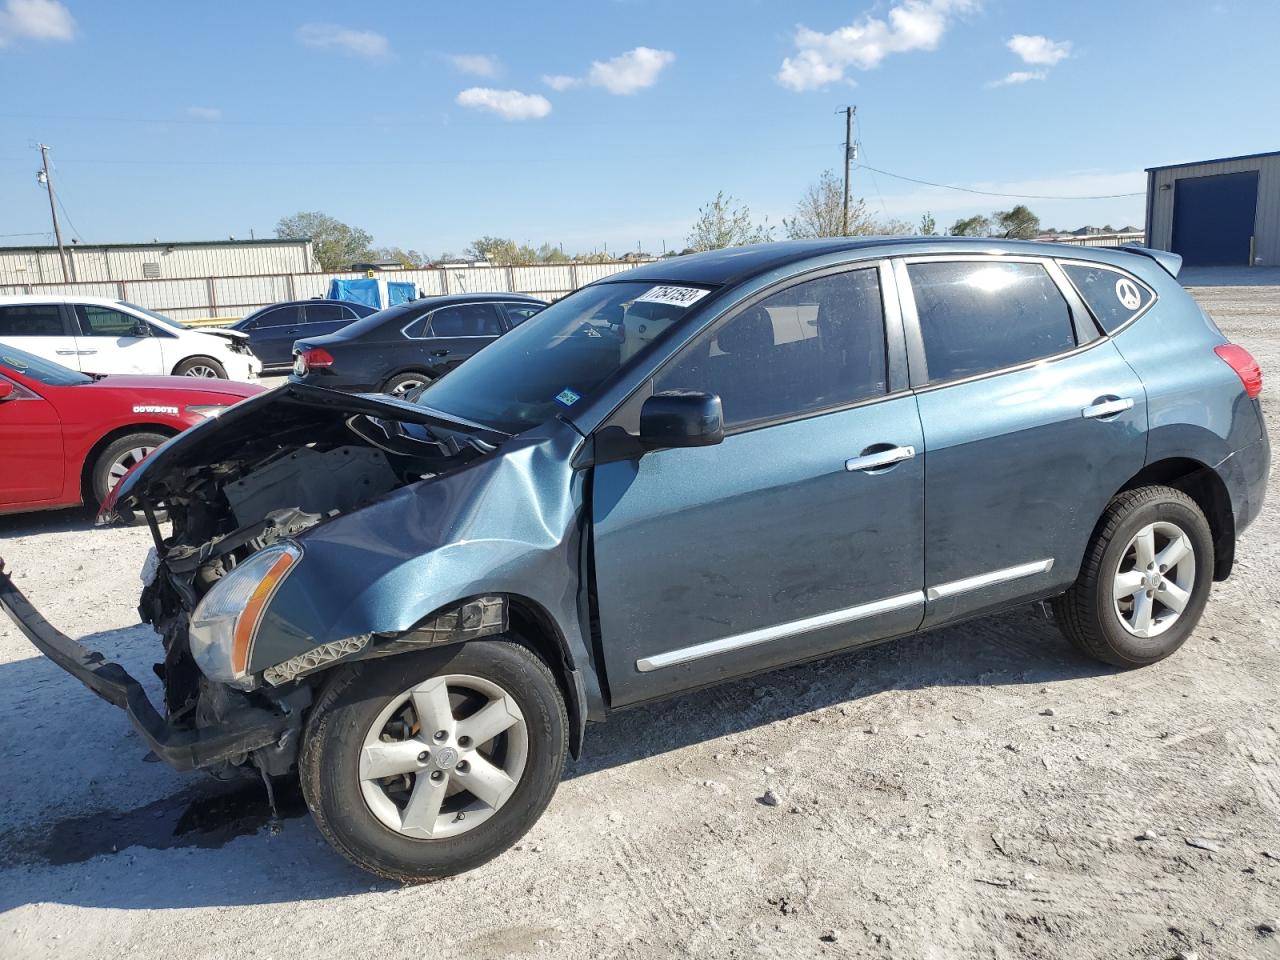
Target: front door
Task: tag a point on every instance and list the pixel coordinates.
(455, 333)
(274, 332)
(1032, 422)
(800, 534)
(112, 341)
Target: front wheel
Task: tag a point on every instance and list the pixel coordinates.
(403, 384)
(1144, 582)
(120, 456)
(425, 765)
(201, 367)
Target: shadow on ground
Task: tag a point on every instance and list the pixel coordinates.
(163, 849)
(45, 521)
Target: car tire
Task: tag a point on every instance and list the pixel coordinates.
(363, 799)
(404, 383)
(116, 460)
(1137, 599)
(201, 367)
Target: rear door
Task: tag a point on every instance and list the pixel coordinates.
(321, 318)
(112, 341)
(449, 335)
(32, 464)
(1032, 421)
(46, 329)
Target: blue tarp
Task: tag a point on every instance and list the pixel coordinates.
(375, 293)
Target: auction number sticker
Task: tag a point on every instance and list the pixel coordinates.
(676, 296)
(567, 397)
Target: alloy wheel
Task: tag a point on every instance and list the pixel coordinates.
(1154, 579)
(124, 463)
(443, 757)
(406, 387)
(201, 370)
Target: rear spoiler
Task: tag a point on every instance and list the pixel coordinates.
(1171, 262)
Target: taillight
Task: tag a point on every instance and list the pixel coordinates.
(1241, 361)
(317, 358)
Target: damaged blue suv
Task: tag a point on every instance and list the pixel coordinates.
(704, 468)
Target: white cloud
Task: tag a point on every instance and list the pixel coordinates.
(560, 81)
(204, 113)
(822, 58)
(35, 20)
(1039, 50)
(360, 43)
(508, 104)
(630, 71)
(1018, 76)
(477, 64)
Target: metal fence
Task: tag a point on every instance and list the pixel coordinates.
(231, 297)
(1098, 239)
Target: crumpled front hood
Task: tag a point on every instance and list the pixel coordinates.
(294, 413)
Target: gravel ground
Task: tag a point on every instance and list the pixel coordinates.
(976, 792)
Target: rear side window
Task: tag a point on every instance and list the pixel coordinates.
(466, 320)
(978, 316)
(280, 317)
(35, 320)
(1114, 297)
(816, 345)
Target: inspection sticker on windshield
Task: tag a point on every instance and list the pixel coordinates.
(677, 296)
(568, 397)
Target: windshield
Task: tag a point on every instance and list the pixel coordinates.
(155, 316)
(560, 355)
(37, 368)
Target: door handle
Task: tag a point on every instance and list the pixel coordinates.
(65, 353)
(882, 458)
(86, 353)
(1107, 408)
(439, 353)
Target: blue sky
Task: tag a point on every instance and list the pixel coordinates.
(609, 122)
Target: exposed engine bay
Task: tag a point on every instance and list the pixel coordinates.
(232, 490)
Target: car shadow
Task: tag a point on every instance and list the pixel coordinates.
(68, 520)
(211, 843)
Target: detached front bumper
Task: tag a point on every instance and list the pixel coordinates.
(249, 729)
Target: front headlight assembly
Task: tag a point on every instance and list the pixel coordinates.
(226, 620)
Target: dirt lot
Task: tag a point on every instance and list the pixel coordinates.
(977, 792)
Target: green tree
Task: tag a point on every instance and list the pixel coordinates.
(820, 212)
(1016, 224)
(975, 226)
(336, 244)
(928, 225)
(721, 223)
(502, 252)
(550, 253)
(409, 259)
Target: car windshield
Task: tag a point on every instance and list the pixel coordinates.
(155, 316)
(37, 368)
(561, 355)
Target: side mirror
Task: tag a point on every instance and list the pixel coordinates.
(681, 418)
(6, 390)
(141, 329)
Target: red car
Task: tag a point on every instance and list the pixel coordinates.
(67, 438)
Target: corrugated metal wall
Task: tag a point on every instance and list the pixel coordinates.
(234, 296)
(170, 261)
(1266, 226)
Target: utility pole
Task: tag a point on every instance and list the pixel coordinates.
(850, 153)
(47, 180)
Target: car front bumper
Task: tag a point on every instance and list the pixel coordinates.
(247, 730)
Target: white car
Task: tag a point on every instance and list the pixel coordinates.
(102, 335)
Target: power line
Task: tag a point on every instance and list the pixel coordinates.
(991, 193)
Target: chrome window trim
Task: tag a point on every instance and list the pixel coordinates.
(992, 578)
(1072, 261)
(794, 628)
(862, 611)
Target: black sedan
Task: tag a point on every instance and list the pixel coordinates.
(273, 329)
(403, 347)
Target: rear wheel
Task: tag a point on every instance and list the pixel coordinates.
(425, 765)
(120, 456)
(1144, 582)
(405, 383)
(201, 367)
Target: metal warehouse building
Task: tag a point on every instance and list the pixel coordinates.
(1217, 212)
(156, 261)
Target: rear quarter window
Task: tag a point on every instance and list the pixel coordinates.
(1115, 298)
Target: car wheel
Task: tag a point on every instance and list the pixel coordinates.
(201, 367)
(404, 383)
(1144, 582)
(119, 458)
(425, 765)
